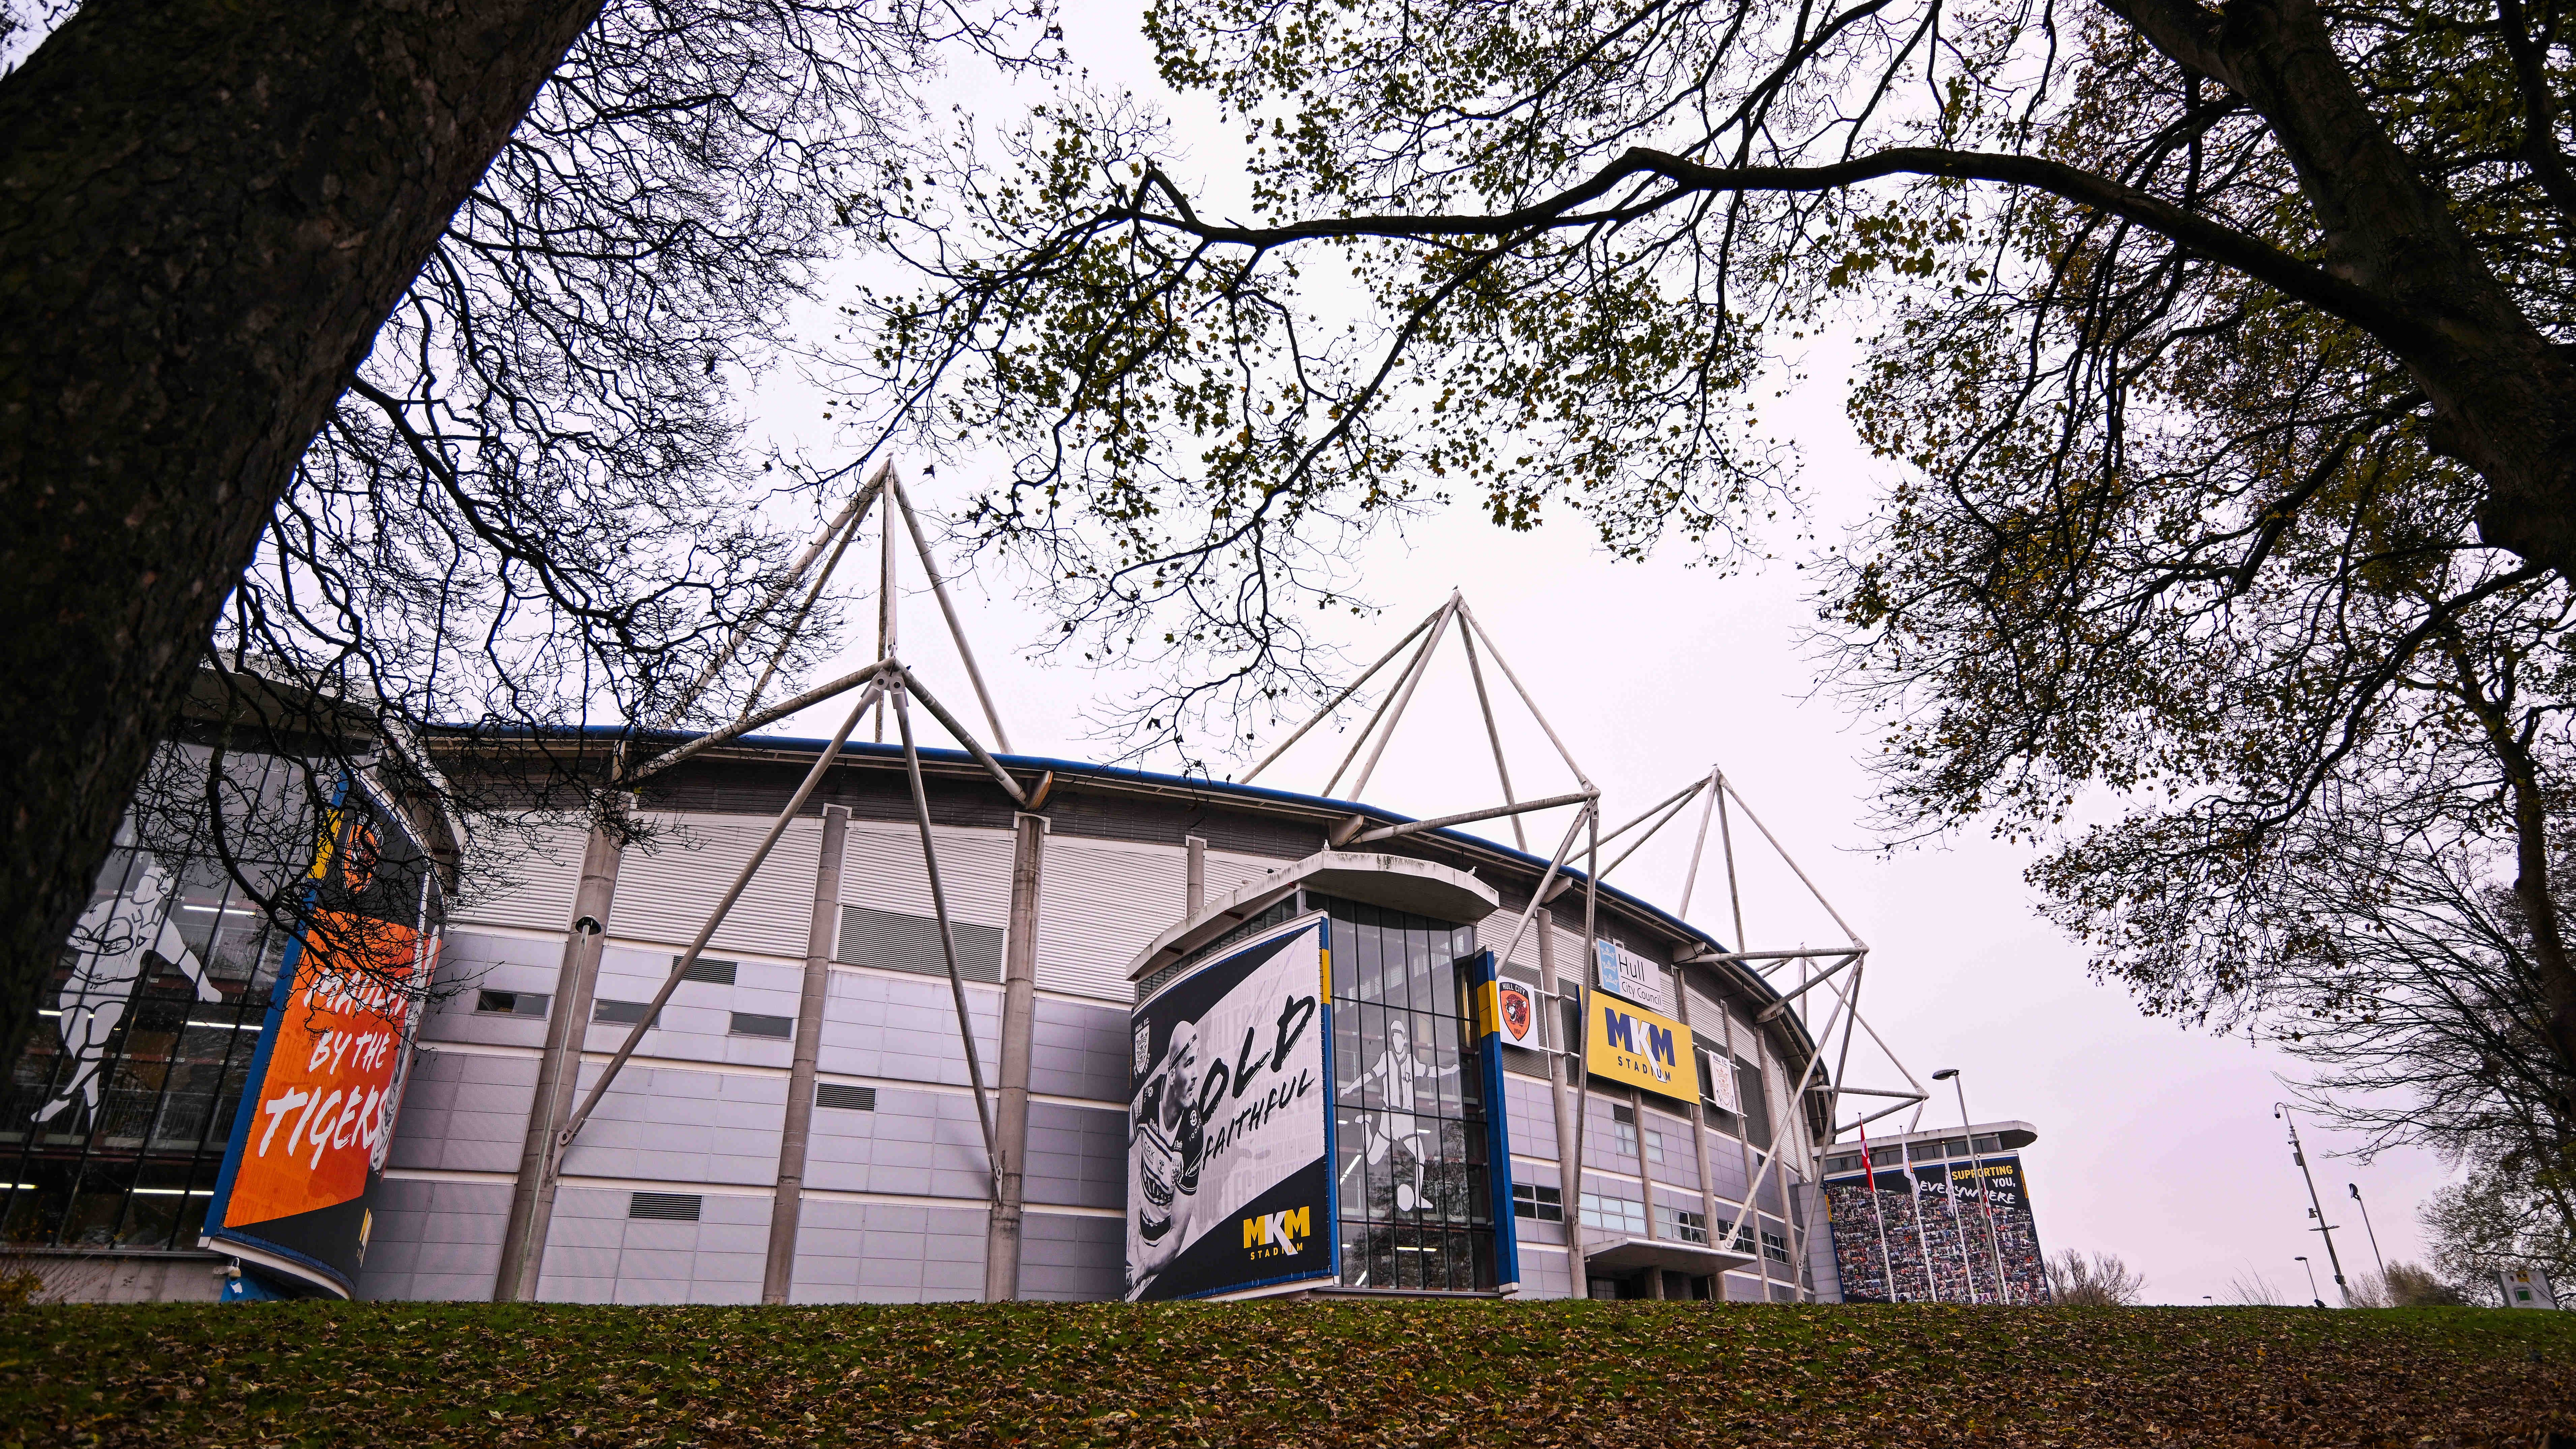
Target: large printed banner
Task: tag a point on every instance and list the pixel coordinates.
(1633, 1045)
(317, 1116)
(1229, 1155)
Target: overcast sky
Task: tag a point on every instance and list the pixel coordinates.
(2154, 1143)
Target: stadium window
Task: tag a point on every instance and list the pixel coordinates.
(845, 1098)
(712, 973)
(1842, 1164)
(669, 1207)
(1614, 1214)
(1757, 1103)
(621, 1013)
(1989, 1145)
(1623, 1130)
(1682, 1226)
(1569, 1025)
(752, 1023)
(1774, 1246)
(510, 1003)
(1541, 1204)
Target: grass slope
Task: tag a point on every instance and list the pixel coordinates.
(1636, 1374)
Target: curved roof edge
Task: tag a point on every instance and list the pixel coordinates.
(1198, 786)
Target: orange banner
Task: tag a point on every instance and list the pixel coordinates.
(325, 1104)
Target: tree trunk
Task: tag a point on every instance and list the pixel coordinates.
(206, 211)
(2504, 396)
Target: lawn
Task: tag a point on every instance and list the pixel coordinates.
(1651, 1376)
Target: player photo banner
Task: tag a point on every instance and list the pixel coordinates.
(1229, 1149)
(316, 1118)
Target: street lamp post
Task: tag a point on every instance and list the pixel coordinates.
(2318, 1298)
(2355, 1189)
(2316, 1205)
(1985, 1190)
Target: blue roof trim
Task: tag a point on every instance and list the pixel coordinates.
(1536, 863)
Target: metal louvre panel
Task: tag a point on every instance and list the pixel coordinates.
(531, 888)
(896, 941)
(664, 891)
(676, 1207)
(1573, 959)
(1227, 874)
(1099, 905)
(1708, 1017)
(840, 1096)
(881, 869)
(1496, 932)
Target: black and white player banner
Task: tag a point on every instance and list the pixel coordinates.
(1229, 1166)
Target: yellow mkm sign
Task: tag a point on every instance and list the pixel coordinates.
(1634, 1045)
(1275, 1235)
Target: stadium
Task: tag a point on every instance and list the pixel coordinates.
(795, 1020)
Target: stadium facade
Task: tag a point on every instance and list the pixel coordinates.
(1190, 1009)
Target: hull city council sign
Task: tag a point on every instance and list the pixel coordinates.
(1641, 1048)
(317, 1115)
(1229, 1153)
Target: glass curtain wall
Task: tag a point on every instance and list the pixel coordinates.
(1414, 1185)
(114, 1120)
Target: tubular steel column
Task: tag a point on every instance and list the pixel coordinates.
(1699, 1123)
(532, 1197)
(1569, 1173)
(1019, 1029)
(787, 1209)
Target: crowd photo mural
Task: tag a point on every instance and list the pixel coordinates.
(1959, 1230)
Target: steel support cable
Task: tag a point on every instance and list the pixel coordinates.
(715, 919)
(746, 725)
(805, 610)
(1394, 702)
(956, 631)
(947, 943)
(858, 505)
(1319, 716)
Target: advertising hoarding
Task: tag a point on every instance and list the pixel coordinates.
(317, 1112)
(1229, 1155)
(1641, 1048)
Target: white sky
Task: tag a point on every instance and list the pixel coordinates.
(2154, 1143)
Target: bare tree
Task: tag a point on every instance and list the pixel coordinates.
(412, 383)
(2100, 1280)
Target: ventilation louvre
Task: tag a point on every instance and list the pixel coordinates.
(845, 1098)
(752, 1023)
(713, 973)
(896, 941)
(667, 1207)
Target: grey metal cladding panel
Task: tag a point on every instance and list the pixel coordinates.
(1072, 1259)
(1079, 1051)
(1237, 832)
(683, 1126)
(1545, 1275)
(915, 1144)
(869, 785)
(1530, 1118)
(895, 941)
(885, 1026)
(1077, 1156)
